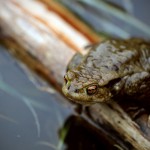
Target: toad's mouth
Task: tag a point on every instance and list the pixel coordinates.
(87, 102)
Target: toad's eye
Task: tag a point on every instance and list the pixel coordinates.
(65, 79)
(91, 90)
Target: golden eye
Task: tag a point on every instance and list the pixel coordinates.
(91, 90)
(65, 79)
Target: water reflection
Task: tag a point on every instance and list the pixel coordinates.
(81, 135)
(18, 125)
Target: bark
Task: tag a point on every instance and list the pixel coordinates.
(46, 42)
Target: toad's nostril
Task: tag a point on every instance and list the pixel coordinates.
(68, 87)
(76, 91)
(65, 79)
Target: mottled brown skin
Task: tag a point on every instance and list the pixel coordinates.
(111, 68)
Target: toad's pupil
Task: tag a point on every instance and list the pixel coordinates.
(92, 90)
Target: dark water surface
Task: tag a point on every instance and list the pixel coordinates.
(19, 130)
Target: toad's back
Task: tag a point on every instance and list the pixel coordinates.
(117, 58)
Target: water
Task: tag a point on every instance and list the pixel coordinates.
(19, 128)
